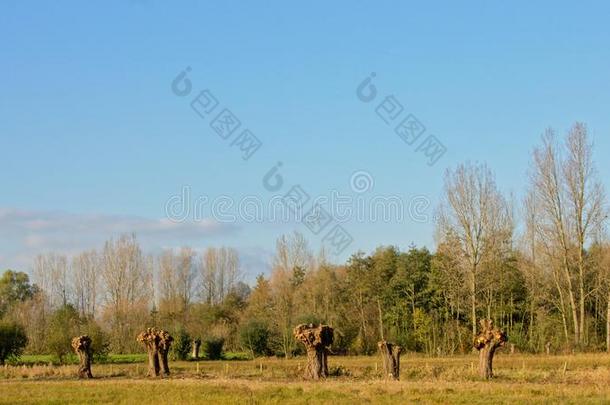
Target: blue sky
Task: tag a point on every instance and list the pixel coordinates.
(94, 141)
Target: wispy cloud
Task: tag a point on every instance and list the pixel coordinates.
(24, 234)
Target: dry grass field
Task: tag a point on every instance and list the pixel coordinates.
(577, 379)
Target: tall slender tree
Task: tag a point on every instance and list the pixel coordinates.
(475, 212)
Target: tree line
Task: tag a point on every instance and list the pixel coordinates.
(539, 268)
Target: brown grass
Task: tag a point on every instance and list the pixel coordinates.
(579, 379)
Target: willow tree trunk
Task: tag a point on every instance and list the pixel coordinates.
(82, 347)
(163, 354)
(390, 356)
(151, 339)
(317, 340)
(157, 342)
(196, 347)
(487, 342)
(317, 363)
(486, 356)
(165, 342)
(154, 367)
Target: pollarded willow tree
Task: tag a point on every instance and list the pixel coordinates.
(390, 355)
(487, 342)
(82, 347)
(165, 343)
(150, 339)
(317, 341)
(196, 345)
(158, 344)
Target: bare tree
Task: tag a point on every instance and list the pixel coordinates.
(292, 260)
(476, 213)
(570, 205)
(208, 273)
(538, 269)
(51, 274)
(449, 274)
(585, 200)
(599, 254)
(168, 294)
(185, 276)
(176, 278)
(86, 269)
(552, 227)
(219, 272)
(127, 278)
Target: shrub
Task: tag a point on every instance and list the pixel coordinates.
(12, 341)
(100, 343)
(64, 325)
(212, 348)
(254, 336)
(181, 349)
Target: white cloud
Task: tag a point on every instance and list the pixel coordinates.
(25, 234)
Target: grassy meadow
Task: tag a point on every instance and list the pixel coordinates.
(582, 378)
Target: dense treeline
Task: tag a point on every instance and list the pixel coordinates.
(539, 269)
